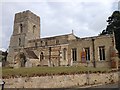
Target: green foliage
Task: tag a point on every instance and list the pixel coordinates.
(114, 26)
(42, 71)
(113, 23)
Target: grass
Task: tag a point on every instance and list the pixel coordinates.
(42, 71)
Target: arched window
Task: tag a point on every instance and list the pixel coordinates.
(21, 28)
(46, 43)
(64, 53)
(57, 41)
(34, 28)
(41, 43)
(19, 42)
(41, 56)
(35, 44)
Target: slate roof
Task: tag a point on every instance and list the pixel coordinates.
(31, 54)
(55, 37)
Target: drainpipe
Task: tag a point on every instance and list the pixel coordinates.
(59, 58)
(88, 74)
(93, 45)
(50, 56)
(114, 46)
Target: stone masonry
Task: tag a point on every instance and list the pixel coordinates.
(26, 46)
(62, 81)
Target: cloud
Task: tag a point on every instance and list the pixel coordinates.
(81, 16)
(86, 18)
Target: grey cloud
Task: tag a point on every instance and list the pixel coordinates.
(85, 18)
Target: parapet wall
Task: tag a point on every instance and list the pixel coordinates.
(22, 16)
(62, 81)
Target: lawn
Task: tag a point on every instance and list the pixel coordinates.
(42, 71)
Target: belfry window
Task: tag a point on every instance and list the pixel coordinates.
(21, 28)
(19, 41)
(34, 28)
(102, 52)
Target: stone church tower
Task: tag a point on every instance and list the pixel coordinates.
(26, 27)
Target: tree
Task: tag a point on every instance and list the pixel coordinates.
(114, 27)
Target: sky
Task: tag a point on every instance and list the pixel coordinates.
(58, 17)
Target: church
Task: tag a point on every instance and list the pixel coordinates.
(28, 49)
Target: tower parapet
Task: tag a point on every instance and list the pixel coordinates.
(25, 15)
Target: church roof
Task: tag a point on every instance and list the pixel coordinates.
(70, 36)
(65, 35)
(31, 54)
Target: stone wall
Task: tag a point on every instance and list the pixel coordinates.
(26, 35)
(59, 81)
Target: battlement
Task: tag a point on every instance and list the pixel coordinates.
(22, 16)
